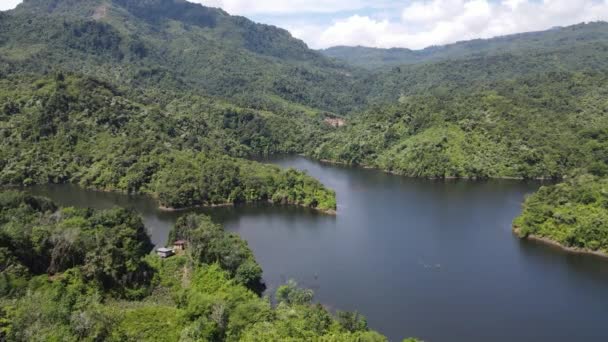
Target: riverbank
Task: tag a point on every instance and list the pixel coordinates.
(331, 212)
(553, 243)
(161, 207)
(369, 167)
(153, 196)
(387, 230)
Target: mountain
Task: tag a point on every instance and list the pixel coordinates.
(224, 85)
(530, 105)
(517, 44)
(167, 98)
(174, 44)
(228, 86)
(536, 126)
(521, 106)
(158, 97)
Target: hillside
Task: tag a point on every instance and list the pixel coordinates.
(523, 106)
(220, 85)
(517, 44)
(69, 274)
(573, 214)
(66, 128)
(539, 126)
(172, 99)
(137, 97)
(177, 45)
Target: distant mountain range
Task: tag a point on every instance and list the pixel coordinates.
(523, 43)
(173, 43)
(169, 98)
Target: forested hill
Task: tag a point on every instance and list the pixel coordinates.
(166, 98)
(73, 274)
(66, 128)
(171, 45)
(540, 126)
(176, 45)
(531, 105)
(517, 44)
(225, 85)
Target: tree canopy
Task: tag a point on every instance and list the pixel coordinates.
(73, 274)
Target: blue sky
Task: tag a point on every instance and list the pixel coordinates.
(412, 24)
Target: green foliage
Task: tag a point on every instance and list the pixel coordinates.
(573, 213)
(517, 44)
(352, 321)
(107, 247)
(208, 243)
(540, 126)
(290, 294)
(523, 106)
(164, 97)
(149, 323)
(106, 286)
(73, 129)
(65, 309)
(167, 44)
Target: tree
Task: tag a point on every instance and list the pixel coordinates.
(291, 294)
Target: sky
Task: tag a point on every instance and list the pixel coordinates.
(413, 24)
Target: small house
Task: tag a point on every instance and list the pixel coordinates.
(179, 245)
(164, 252)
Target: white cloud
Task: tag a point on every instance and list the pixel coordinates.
(425, 12)
(433, 22)
(9, 4)
(407, 23)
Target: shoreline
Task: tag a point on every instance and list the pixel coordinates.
(332, 212)
(549, 242)
(368, 167)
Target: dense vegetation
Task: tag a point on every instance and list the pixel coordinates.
(106, 248)
(210, 244)
(573, 213)
(63, 128)
(169, 44)
(131, 96)
(541, 126)
(520, 106)
(72, 274)
(522, 44)
(166, 98)
(426, 119)
(524, 106)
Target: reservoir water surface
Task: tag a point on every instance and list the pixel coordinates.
(431, 259)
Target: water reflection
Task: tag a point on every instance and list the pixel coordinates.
(433, 259)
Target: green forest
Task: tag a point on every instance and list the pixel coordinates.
(572, 213)
(63, 128)
(541, 126)
(521, 44)
(176, 101)
(70, 274)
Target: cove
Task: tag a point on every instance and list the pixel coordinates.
(431, 259)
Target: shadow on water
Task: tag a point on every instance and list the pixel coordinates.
(433, 259)
(584, 265)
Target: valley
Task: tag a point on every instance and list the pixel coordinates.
(188, 108)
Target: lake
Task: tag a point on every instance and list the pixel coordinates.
(431, 259)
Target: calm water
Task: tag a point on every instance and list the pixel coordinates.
(431, 259)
